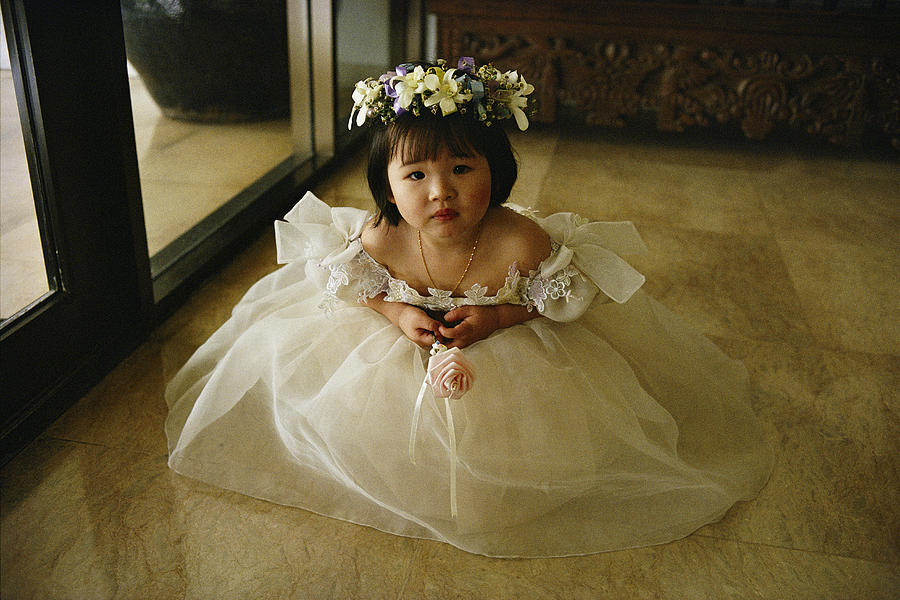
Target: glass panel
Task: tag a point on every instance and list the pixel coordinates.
(210, 86)
(23, 276)
(363, 43)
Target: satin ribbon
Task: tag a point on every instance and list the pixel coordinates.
(451, 432)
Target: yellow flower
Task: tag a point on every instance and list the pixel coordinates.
(445, 91)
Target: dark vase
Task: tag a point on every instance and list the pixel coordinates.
(211, 60)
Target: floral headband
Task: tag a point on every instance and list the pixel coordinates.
(492, 95)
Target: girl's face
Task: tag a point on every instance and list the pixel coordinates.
(443, 197)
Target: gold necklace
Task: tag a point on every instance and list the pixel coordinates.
(468, 262)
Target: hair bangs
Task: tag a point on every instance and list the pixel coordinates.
(421, 139)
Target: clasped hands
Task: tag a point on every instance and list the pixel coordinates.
(462, 326)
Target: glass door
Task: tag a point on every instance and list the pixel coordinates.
(221, 104)
(66, 66)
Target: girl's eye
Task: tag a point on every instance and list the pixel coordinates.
(460, 169)
(416, 175)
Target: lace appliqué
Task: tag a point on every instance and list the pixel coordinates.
(556, 287)
(369, 279)
(441, 300)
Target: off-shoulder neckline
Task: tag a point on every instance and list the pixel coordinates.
(476, 289)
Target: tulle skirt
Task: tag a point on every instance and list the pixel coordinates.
(624, 428)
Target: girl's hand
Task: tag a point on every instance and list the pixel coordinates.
(417, 326)
(475, 323)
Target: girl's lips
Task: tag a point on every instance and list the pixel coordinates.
(445, 214)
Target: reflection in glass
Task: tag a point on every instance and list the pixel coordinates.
(209, 86)
(23, 277)
(359, 56)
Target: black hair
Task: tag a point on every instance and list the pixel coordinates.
(423, 138)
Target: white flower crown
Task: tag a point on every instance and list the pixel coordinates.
(492, 95)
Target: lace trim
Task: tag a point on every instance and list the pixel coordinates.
(369, 278)
(512, 292)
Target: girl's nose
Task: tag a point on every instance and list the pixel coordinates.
(441, 189)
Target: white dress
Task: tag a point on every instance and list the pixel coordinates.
(607, 423)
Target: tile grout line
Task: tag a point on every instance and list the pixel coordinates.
(806, 551)
(98, 445)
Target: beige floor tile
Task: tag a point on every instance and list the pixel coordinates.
(837, 224)
(848, 291)
(211, 304)
(598, 181)
(127, 408)
(697, 567)
(833, 417)
(346, 185)
(839, 204)
(84, 521)
(728, 285)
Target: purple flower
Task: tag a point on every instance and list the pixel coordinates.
(467, 65)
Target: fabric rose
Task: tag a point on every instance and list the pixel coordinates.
(450, 374)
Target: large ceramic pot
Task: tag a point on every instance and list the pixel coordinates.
(211, 60)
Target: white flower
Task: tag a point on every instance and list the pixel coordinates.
(364, 94)
(513, 96)
(446, 92)
(493, 96)
(407, 86)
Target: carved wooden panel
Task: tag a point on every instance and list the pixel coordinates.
(840, 98)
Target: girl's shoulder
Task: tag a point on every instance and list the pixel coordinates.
(384, 242)
(516, 238)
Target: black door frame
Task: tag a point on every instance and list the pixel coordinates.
(68, 62)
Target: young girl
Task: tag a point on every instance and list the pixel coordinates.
(583, 416)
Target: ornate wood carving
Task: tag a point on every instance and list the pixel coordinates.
(840, 98)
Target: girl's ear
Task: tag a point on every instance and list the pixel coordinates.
(391, 199)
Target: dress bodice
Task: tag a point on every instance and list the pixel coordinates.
(583, 262)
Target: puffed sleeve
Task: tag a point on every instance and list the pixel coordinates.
(585, 261)
(327, 239)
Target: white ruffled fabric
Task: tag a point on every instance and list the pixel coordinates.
(604, 425)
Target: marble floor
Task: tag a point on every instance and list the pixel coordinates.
(788, 259)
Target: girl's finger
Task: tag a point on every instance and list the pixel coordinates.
(448, 332)
(457, 314)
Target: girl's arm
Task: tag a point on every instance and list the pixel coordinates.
(413, 321)
(478, 322)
